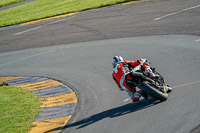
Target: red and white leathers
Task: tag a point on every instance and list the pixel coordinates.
(121, 74)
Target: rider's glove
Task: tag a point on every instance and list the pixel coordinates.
(148, 72)
(154, 76)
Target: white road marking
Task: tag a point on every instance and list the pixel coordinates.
(28, 30)
(39, 27)
(27, 57)
(126, 100)
(186, 84)
(176, 12)
(198, 40)
(45, 25)
(92, 92)
(57, 21)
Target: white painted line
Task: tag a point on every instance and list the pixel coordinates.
(176, 12)
(198, 40)
(57, 21)
(186, 84)
(28, 30)
(27, 57)
(92, 92)
(126, 100)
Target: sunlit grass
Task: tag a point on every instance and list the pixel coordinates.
(19, 108)
(45, 8)
(8, 2)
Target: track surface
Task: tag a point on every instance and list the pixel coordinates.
(110, 22)
(87, 65)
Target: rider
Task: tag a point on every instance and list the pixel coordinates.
(122, 75)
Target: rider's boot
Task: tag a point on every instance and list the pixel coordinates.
(134, 99)
(136, 96)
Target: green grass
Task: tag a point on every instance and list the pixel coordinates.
(18, 109)
(46, 8)
(8, 2)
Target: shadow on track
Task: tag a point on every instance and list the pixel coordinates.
(111, 113)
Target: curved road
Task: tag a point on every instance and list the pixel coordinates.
(165, 32)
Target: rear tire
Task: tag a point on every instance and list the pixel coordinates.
(146, 87)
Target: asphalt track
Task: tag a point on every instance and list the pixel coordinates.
(166, 32)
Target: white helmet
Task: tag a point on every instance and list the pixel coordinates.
(117, 60)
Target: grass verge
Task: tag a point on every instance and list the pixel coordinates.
(8, 2)
(19, 108)
(47, 8)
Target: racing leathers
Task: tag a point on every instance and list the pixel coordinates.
(122, 74)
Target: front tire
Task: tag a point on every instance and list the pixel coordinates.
(146, 87)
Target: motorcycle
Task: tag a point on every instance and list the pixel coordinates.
(155, 87)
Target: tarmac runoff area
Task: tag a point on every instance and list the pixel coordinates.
(58, 102)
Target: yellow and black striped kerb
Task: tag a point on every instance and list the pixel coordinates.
(58, 101)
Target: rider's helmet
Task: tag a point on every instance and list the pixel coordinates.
(117, 60)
